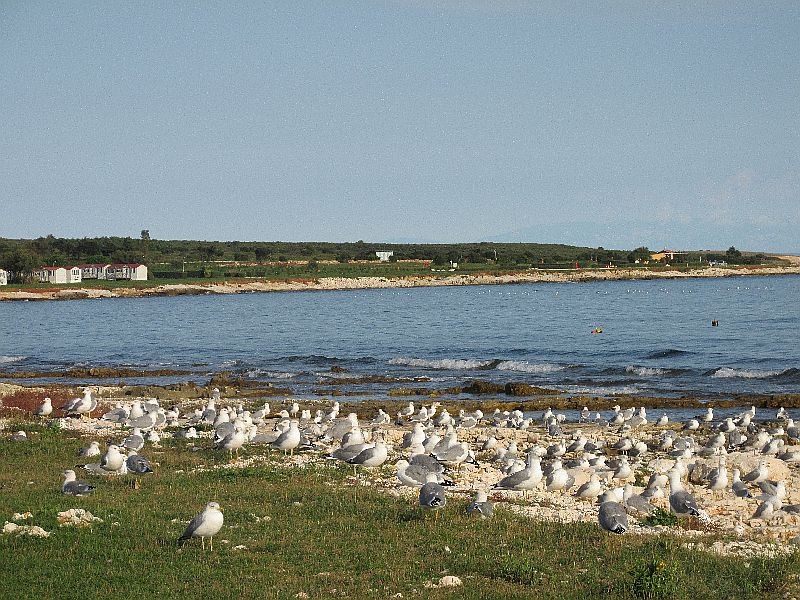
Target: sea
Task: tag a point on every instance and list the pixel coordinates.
(657, 337)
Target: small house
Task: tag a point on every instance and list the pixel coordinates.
(134, 272)
(93, 271)
(74, 274)
(384, 255)
(3, 277)
(52, 275)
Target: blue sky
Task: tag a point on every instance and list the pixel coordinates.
(604, 124)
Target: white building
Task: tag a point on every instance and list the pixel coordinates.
(94, 271)
(74, 275)
(3, 277)
(383, 255)
(52, 275)
(134, 272)
(58, 275)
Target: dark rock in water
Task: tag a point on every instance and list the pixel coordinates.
(524, 389)
(484, 387)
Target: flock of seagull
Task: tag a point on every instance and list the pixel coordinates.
(435, 445)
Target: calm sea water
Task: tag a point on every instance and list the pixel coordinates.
(657, 335)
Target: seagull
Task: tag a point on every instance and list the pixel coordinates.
(288, 440)
(134, 440)
(481, 506)
(45, 408)
(431, 495)
(113, 460)
(591, 489)
(371, 457)
(526, 479)
(739, 487)
(612, 517)
(80, 405)
(74, 487)
(416, 475)
(233, 441)
(718, 479)
(20, 436)
(635, 502)
(681, 502)
(760, 473)
(205, 525)
(137, 463)
(92, 450)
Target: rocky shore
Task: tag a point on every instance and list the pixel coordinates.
(241, 286)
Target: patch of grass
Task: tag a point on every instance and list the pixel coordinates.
(660, 517)
(305, 530)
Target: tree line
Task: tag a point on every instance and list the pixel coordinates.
(22, 256)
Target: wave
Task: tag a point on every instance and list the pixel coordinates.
(669, 353)
(526, 367)
(600, 390)
(648, 371)
(254, 373)
(11, 359)
(728, 372)
(450, 364)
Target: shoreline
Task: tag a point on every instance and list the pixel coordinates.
(239, 286)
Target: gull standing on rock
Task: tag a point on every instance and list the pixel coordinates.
(289, 439)
(205, 525)
(681, 502)
(371, 457)
(45, 408)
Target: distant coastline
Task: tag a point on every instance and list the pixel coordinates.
(239, 286)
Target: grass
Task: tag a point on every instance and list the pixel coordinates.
(323, 537)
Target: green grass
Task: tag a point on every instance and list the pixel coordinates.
(322, 535)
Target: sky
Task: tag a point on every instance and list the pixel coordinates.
(614, 124)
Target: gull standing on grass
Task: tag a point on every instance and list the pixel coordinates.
(481, 506)
(74, 487)
(612, 517)
(92, 450)
(431, 495)
(205, 525)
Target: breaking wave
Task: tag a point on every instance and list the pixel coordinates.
(727, 372)
(11, 359)
(646, 371)
(254, 373)
(526, 367)
(451, 364)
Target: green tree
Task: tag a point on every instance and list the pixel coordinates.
(733, 253)
(21, 264)
(641, 254)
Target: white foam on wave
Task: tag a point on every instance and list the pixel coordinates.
(271, 374)
(526, 367)
(727, 372)
(11, 359)
(604, 391)
(645, 371)
(451, 364)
